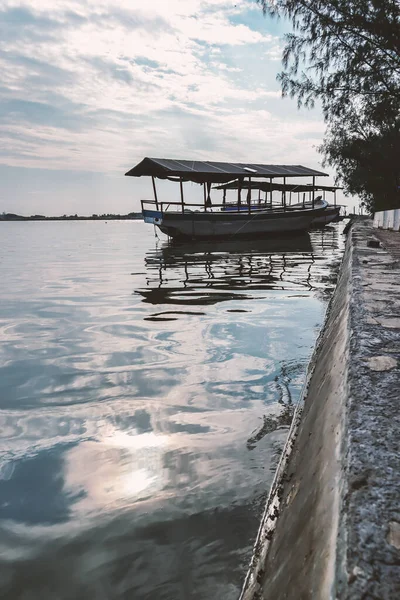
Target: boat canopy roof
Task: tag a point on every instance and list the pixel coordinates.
(215, 172)
(265, 186)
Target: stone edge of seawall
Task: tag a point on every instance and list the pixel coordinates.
(322, 534)
(368, 549)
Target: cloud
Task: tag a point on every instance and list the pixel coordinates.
(96, 85)
(39, 113)
(20, 23)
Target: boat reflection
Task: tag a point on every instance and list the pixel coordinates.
(208, 273)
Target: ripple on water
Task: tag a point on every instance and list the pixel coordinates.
(146, 390)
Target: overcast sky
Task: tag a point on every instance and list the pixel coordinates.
(90, 87)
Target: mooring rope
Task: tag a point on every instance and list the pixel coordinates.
(244, 225)
(155, 232)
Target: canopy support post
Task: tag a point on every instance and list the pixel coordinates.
(248, 199)
(284, 193)
(270, 191)
(182, 199)
(205, 196)
(240, 180)
(224, 197)
(334, 198)
(155, 191)
(208, 199)
(313, 191)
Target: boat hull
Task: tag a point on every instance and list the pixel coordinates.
(219, 225)
(330, 214)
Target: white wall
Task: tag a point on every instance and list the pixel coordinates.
(387, 219)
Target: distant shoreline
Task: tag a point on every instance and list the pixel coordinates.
(104, 217)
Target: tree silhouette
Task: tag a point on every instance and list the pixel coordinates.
(346, 54)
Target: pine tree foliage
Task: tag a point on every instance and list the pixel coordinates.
(346, 54)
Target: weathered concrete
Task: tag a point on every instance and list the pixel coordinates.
(332, 525)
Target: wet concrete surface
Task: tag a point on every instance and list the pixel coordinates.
(332, 523)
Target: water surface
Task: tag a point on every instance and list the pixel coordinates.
(146, 391)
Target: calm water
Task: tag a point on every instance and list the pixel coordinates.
(145, 395)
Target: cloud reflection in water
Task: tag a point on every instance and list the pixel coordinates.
(136, 452)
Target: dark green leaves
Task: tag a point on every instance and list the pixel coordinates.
(346, 53)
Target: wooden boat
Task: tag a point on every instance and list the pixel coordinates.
(330, 214)
(185, 220)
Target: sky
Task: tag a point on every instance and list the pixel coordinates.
(91, 87)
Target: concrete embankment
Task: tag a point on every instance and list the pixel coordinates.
(331, 528)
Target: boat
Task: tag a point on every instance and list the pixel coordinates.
(246, 219)
(330, 214)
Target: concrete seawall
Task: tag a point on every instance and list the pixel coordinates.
(331, 528)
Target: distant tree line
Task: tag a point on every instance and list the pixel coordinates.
(346, 54)
(109, 216)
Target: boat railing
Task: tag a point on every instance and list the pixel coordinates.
(253, 207)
